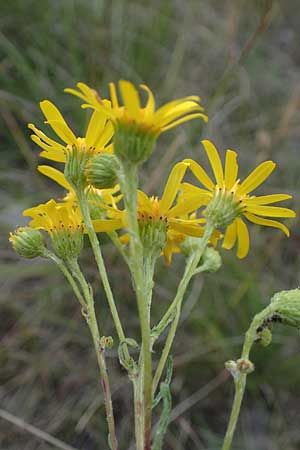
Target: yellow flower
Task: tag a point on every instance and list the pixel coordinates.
(63, 222)
(159, 220)
(228, 199)
(54, 217)
(96, 140)
(146, 117)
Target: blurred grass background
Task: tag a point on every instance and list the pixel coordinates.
(242, 57)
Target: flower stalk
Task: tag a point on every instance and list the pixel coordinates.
(239, 372)
(128, 183)
(84, 208)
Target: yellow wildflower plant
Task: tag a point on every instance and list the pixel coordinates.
(227, 199)
(96, 140)
(147, 117)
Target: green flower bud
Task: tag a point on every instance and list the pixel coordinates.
(28, 242)
(133, 143)
(211, 260)
(75, 165)
(101, 171)
(222, 209)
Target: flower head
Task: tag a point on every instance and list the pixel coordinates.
(96, 139)
(228, 199)
(147, 117)
(63, 223)
(138, 126)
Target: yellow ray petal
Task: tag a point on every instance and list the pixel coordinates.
(243, 238)
(105, 137)
(231, 169)
(52, 153)
(104, 226)
(200, 174)
(44, 137)
(57, 122)
(130, 98)
(188, 188)
(266, 199)
(150, 105)
(95, 128)
(188, 205)
(256, 177)
(188, 229)
(169, 107)
(180, 110)
(215, 161)
(144, 202)
(185, 119)
(113, 95)
(230, 236)
(172, 186)
(271, 211)
(267, 223)
(56, 176)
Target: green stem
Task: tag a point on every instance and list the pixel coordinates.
(149, 267)
(94, 329)
(190, 269)
(67, 275)
(241, 378)
(84, 207)
(128, 183)
(166, 351)
(116, 241)
(138, 413)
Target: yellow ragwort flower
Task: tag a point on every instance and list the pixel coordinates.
(146, 117)
(63, 223)
(159, 214)
(54, 217)
(96, 140)
(228, 199)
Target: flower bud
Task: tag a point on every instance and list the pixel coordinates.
(133, 143)
(74, 168)
(28, 242)
(211, 260)
(101, 171)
